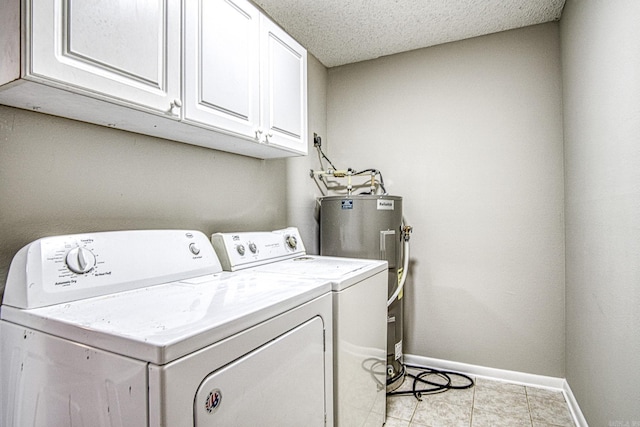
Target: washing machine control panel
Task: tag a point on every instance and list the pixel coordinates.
(237, 251)
(66, 268)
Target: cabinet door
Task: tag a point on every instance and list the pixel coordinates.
(127, 51)
(222, 65)
(283, 89)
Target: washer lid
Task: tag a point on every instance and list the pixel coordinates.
(161, 323)
(341, 272)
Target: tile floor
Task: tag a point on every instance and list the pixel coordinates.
(488, 404)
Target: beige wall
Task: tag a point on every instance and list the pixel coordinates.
(61, 176)
(470, 134)
(301, 189)
(601, 72)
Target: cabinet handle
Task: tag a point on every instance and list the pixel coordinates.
(259, 132)
(175, 104)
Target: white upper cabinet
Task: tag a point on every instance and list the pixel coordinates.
(222, 65)
(214, 73)
(125, 50)
(283, 88)
(245, 75)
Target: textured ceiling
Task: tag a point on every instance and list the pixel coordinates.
(340, 32)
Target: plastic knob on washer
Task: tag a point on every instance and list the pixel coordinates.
(292, 242)
(80, 260)
(194, 249)
(240, 249)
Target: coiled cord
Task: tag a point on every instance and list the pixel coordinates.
(432, 387)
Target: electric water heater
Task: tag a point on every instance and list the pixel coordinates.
(370, 226)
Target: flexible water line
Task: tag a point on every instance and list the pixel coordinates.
(405, 271)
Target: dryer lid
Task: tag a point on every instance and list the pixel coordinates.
(341, 272)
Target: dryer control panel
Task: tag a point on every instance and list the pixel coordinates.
(59, 269)
(249, 249)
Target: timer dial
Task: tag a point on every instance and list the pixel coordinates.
(80, 260)
(292, 242)
(194, 249)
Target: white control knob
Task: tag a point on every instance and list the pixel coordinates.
(240, 249)
(194, 249)
(292, 242)
(80, 260)
(253, 248)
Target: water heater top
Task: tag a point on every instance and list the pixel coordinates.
(362, 197)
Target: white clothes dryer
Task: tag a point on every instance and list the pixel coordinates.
(143, 328)
(359, 294)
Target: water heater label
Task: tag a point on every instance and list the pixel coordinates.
(385, 205)
(347, 204)
(398, 350)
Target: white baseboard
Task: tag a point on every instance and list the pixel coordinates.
(522, 378)
(578, 417)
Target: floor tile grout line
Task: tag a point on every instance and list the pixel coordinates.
(526, 393)
(413, 413)
(473, 402)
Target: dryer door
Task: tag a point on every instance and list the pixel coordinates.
(278, 384)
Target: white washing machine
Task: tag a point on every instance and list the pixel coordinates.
(143, 328)
(359, 293)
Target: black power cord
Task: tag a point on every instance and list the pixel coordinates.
(425, 377)
(317, 142)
